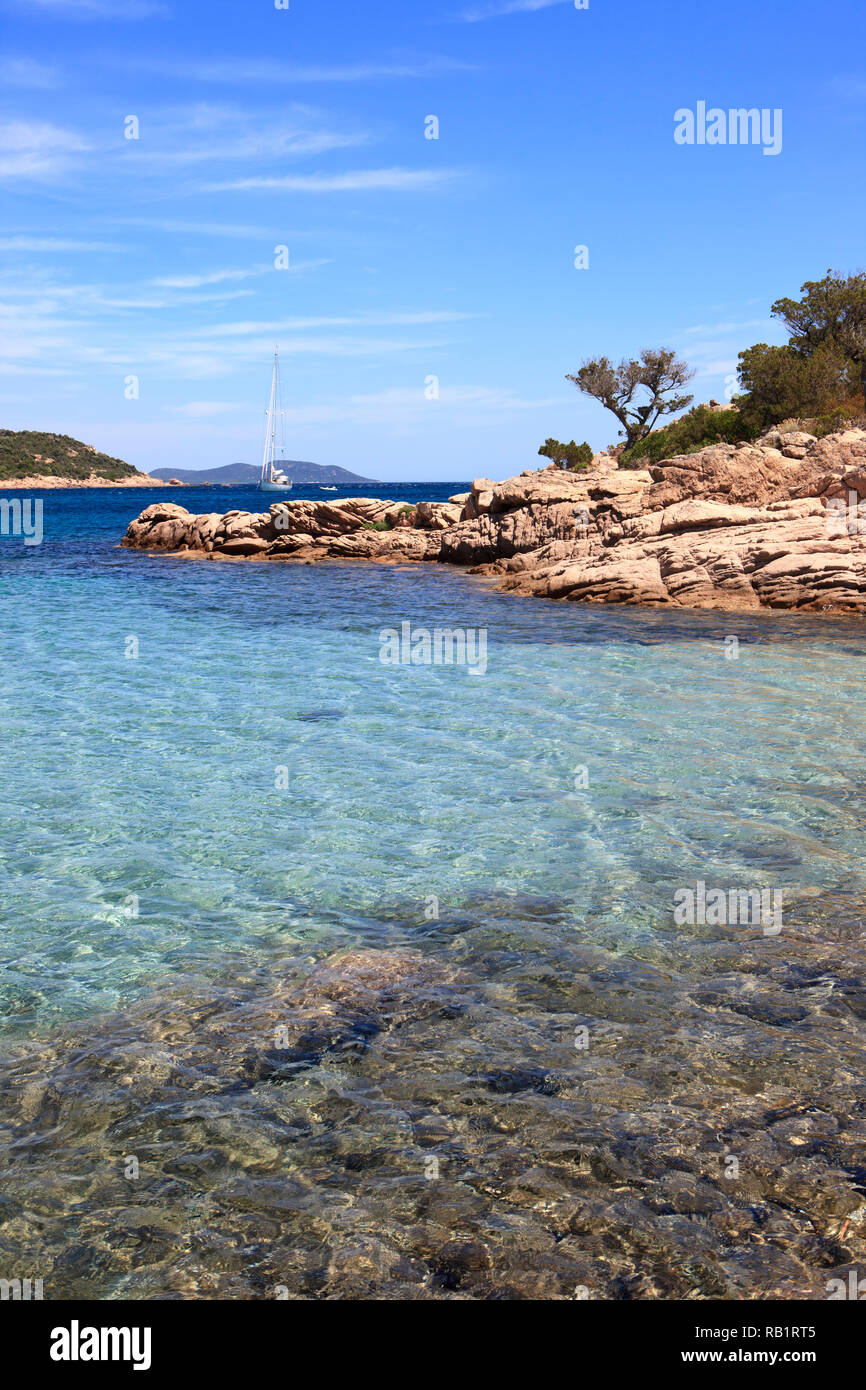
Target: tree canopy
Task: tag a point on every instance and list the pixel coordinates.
(573, 456)
(830, 315)
(637, 391)
(782, 384)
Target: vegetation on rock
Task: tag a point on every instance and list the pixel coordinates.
(831, 315)
(573, 456)
(32, 453)
(816, 380)
(696, 430)
(658, 372)
(820, 373)
(782, 384)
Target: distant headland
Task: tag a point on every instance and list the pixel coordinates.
(40, 459)
(36, 459)
(247, 474)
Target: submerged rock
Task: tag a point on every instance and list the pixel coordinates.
(380, 1124)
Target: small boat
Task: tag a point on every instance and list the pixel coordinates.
(323, 488)
(273, 479)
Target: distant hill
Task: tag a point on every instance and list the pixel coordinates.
(235, 473)
(31, 453)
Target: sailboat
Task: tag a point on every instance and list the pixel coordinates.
(273, 479)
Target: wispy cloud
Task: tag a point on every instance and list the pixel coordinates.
(36, 148)
(225, 135)
(17, 369)
(40, 301)
(730, 326)
(220, 139)
(397, 180)
(99, 9)
(408, 407)
(712, 348)
(233, 230)
(217, 277)
(850, 88)
(89, 330)
(168, 301)
(24, 72)
(242, 70)
(494, 11)
(719, 366)
(202, 410)
(48, 244)
(386, 319)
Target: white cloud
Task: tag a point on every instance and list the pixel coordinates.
(267, 71)
(730, 326)
(296, 325)
(721, 366)
(226, 134)
(24, 72)
(18, 369)
(407, 407)
(169, 302)
(359, 180)
(214, 228)
(47, 243)
(504, 7)
(37, 148)
(268, 141)
(216, 277)
(42, 300)
(849, 88)
(188, 282)
(202, 410)
(90, 328)
(101, 9)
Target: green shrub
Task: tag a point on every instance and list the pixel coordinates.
(696, 430)
(846, 417)
(781, 383)
(573, 456)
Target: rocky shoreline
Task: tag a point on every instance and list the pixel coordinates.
(40, 482)
(774, 524)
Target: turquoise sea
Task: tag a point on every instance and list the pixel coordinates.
(192, 834)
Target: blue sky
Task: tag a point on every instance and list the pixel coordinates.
(409, 258)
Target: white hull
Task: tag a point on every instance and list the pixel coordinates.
(275, 487)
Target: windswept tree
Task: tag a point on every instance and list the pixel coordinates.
(831, 315)
(638, 392)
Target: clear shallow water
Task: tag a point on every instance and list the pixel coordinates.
(148, 786)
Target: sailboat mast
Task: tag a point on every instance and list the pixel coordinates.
(275, 409)
(270, 430)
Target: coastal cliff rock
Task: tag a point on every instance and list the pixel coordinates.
(44, 482)
(357, 528)
(775, 524)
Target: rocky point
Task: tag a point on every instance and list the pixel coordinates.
(774, 524)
